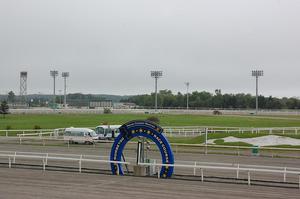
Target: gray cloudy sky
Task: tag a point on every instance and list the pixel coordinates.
(110, 46)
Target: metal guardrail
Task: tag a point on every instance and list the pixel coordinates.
(237, 168)
(176, 131)
(44, 157)
(176, 146)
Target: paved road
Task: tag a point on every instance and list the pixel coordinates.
(27, 184)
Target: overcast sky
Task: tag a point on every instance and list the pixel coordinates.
(110, 46)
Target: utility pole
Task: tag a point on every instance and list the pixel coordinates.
(65, 75)
(256, 74)
(187, 94)
(54, 74)
(156, 75)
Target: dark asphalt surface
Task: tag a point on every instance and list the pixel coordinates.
(19, 182)
(28, 184)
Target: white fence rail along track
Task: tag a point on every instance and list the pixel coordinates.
(45, 157)
(234, 167)
(177, 147)
(186, 131)
(12, 157)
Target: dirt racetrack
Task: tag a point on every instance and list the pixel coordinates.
(28, 183)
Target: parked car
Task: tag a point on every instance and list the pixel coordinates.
(107, 131)
(80, 135)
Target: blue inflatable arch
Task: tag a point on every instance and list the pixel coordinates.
(144, 129)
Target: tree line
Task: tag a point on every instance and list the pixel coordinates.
(166, 99)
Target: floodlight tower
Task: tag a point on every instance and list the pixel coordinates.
(54, 74)
(65, 75)
(256, 74)
(23, 85)
(156, 75)
(187, 94)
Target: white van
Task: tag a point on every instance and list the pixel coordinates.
(107, 131)
(80, 135)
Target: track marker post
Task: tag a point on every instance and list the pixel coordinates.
(44, 164)
(14, 160)
(249, 181)
(202, 177)
(158, 172)
(237, 171)
(9, 162)
(80, 163)
(284, 175)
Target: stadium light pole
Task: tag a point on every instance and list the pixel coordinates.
(256, 74)
(65, 75)
(54, 74)
(156, 75)
(187, 94)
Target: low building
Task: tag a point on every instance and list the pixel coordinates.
(101, 104)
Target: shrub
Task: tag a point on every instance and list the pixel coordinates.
(8, 127)
(36, 127)
(216, 112)
(107, 111)
(153, 119)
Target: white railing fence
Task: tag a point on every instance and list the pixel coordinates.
(234, 167)
(186, 131)
(194, 166)
(45, 157)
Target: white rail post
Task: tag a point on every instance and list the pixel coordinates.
(80, 163)
(9, 162)
(195, 168)
(284, 175)
(237, 171)
(6, 133)
(158, 173)
(20, 139)
(118, 170)
(14, 160)
(153, 167)
(47, 158)
(206, 132)
(202, 177)
(299, 181)
(249, 181)
(44, 164)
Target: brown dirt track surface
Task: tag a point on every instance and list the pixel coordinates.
(28, 183)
